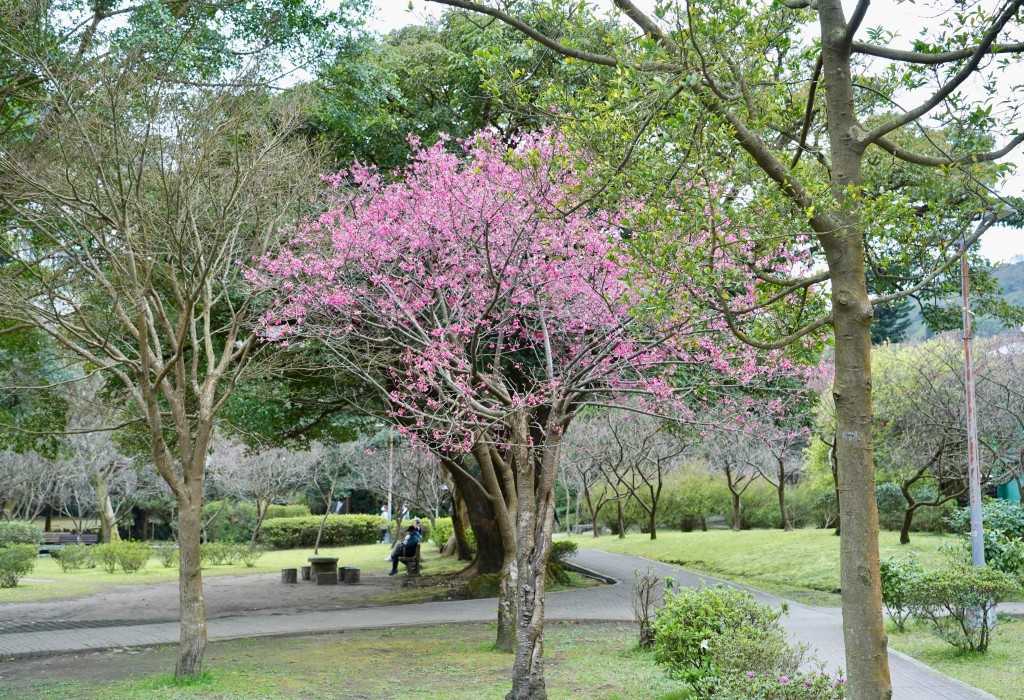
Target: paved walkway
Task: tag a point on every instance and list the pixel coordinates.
(819, 627)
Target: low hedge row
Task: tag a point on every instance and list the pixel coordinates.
(339, 531)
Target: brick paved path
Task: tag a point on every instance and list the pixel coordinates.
(819, 627)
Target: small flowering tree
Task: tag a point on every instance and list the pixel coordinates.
(488, 304)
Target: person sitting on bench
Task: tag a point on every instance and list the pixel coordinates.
(405, 548)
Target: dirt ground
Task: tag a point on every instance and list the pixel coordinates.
(226, 596)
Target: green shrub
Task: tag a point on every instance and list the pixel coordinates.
(166, 553)
(727, 645)
(560, 551)
(223, 553)
(959, 602)
(442, 530)
(215, 553)
(292, 510)
(133, 556)
(251, 554)
(234, 521)
(693, 621)
(687, 499)
(339, 531)
(774, 686)
(16, 561)
(74, 556)
(898, 581)
(1006, 517)
(106, 556)
(19, 532)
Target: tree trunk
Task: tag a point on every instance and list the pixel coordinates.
(460, 516)
(908, 519)
(621, 519)
(787, 526)
(108, 522)
(535, 518)
(737, 515)
(652, 521)
(261, 514)
(190, 585)
(867, 660)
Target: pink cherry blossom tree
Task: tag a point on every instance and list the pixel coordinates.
(482, 296)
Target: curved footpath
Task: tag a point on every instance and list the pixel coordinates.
(819, 627)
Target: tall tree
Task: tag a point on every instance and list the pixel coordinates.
(489, 308)
(131, 218)
(808, 105)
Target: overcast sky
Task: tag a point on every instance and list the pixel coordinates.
(1000, 245)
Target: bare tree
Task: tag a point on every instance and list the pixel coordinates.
(726, 451)
(28, 482)
(776, 453)
(263, 476)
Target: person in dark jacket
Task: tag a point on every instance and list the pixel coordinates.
(405, 548)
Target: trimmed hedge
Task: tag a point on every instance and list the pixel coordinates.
(293, 510)
(339, 531)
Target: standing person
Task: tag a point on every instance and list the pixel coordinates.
(405, 548)
(385, 527)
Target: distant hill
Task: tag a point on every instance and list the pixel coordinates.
(1011, 277)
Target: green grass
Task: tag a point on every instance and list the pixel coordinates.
(583, 662)
(996, 671)
(802, 565)
(49, 582)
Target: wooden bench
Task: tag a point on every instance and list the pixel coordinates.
(55, 541)
(412, 562)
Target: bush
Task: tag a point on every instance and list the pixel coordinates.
(130, 556)
(1005, 516)
(773, 686)
(292, 510)
(74, 556)
(105, 555)
(218, 553)
(960, 603)
(339, 531)
(693, 621)
(727, 645)
(234, 521)
(19, 532)
(442, 531)
(251, 554)
(687, 499)
(133, 556)
(166, 553)
(898, 581)
(892, 507)
(16, 561)
(560, 551)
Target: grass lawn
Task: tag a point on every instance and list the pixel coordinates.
(802, 565)
(583, 662)
(997, 670)
(48, 581)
